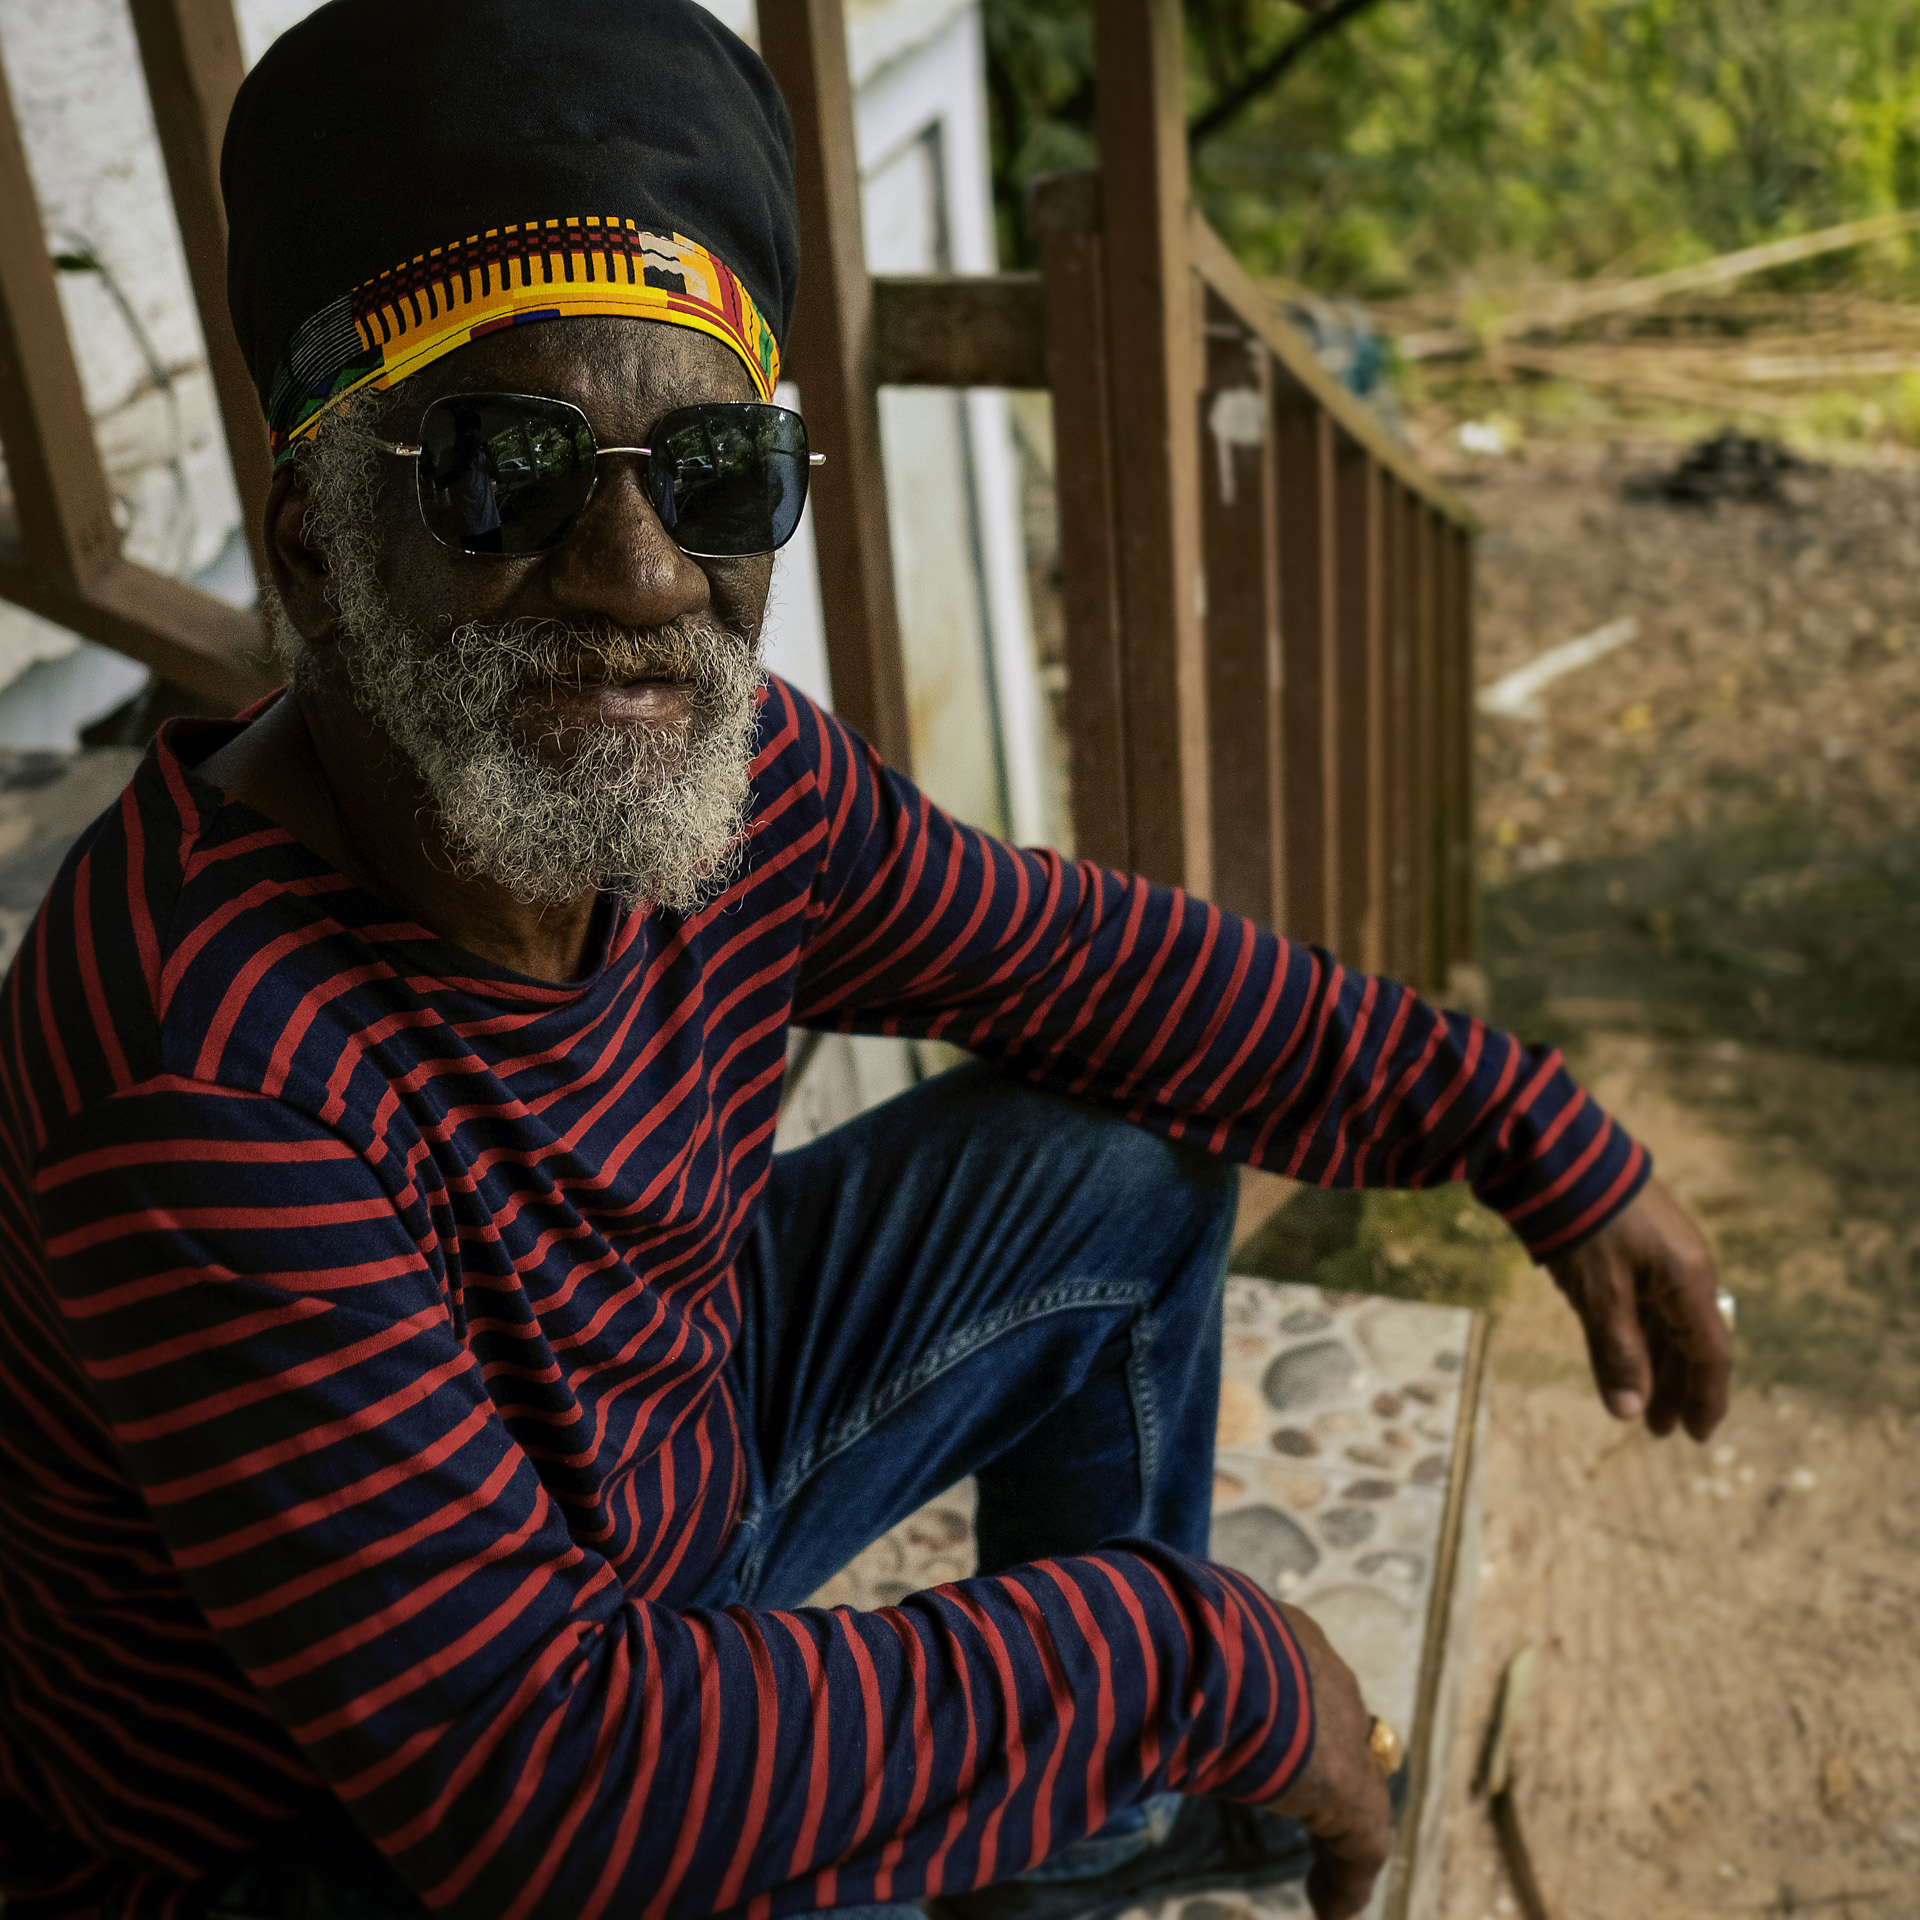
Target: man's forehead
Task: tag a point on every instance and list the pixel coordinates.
(613, 366)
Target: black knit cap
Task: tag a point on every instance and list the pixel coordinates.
(402, 175)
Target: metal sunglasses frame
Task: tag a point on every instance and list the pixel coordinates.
(413, 450)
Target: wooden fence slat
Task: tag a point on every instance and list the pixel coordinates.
(1298, 366)
(1308, 509)
(1063, 213)
(184, 635)
(1458, 727)
(1239, 531)
(1362, 684)
(1441, 833)
(60, 493)
(1429, 965)
(191, 52)
(1403, 730)
(831, 356)
(1140, 111)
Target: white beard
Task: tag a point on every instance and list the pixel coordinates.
(650, 814)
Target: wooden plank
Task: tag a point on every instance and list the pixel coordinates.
(831, 356)
(1362, 681)
(1309, 666)
(1387, 952)
(184, 635)
(1064, 216)
(1240, 551)
(1429, 963)
(1441, 833)
(959, 330)
(60, 491)
(1140, 114)
(1412, 1878)
(1402, 588)
(1300, 367)
(194, 64)
(1463, 917)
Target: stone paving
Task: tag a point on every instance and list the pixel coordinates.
(1338, 1417)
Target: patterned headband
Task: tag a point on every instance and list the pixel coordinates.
(402, 320)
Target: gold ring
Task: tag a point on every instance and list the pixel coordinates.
(1387, 1748)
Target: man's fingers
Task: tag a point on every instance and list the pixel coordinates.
(1670, 1380)
(1646, 1289)
(1339, 1885)
(1692, 1344)
(1340, 1799)
(1610, 1314)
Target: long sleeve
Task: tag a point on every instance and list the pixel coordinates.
(276, 1337)
(1185, 1018)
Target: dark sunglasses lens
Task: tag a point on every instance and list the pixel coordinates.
(504, 473)
(729, 479)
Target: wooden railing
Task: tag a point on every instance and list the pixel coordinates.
(63, 557)
(1267, 600)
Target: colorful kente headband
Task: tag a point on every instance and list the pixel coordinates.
(404, 319)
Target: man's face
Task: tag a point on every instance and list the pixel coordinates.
(581, 717)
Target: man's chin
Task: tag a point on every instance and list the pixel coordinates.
(560, 735)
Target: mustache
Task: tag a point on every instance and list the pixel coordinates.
(528, 655)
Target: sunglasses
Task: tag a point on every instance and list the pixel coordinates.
(511, 474)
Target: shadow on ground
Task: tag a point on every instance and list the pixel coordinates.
(1772, 968)
(1776, 964)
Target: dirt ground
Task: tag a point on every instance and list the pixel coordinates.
(1703, 879)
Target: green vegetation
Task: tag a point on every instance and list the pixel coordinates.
(1438, 1244)
(1432, 138)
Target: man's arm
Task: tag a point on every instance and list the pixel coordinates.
(273, 1336)
(1208, 1027)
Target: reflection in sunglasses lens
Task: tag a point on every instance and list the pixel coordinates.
(511, 474)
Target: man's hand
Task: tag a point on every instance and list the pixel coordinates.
(1340, 1799)
(1644, 1287)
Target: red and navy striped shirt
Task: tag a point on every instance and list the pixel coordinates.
(362, 1416)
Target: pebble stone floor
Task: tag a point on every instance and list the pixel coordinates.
(1337, 1421)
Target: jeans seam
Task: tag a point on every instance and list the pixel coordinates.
(1146, 1413)
(1063, 1297)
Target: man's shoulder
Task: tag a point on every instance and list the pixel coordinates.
(164, 907)
(806, 759)
(793, 729)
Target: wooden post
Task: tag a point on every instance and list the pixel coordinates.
(60, 490)
(1463, 892)
(191, 52)
(1064, 216)
(1241, 554)
(831, 356)
(1362, 860)
(1428, 962)
(1140, 108)
(1403, 731)
(1309, 669)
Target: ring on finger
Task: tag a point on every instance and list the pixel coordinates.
(1387, 1748)
(1729, 1307)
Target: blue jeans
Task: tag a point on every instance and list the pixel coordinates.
(975, 1278)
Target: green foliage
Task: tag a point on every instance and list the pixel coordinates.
(1436, 1244)
(1432, 136)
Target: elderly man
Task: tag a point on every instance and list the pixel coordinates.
(427, 1401)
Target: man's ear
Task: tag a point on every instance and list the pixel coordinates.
(299, 568)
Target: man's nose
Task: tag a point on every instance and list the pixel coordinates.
(620, 564)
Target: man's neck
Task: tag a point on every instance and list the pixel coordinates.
(313, 765)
